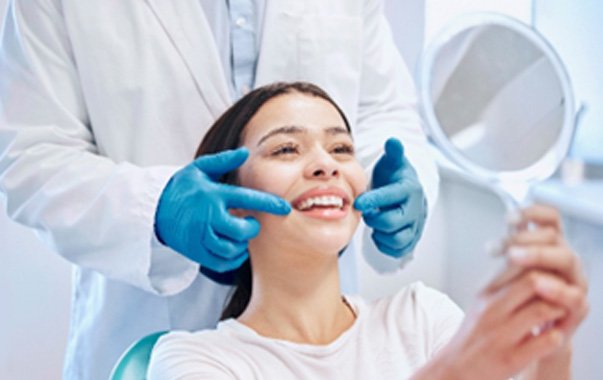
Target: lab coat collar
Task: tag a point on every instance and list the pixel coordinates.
(190, 36)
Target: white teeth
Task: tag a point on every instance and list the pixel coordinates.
(325, 200)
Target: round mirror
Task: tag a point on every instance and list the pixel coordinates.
(497, 99)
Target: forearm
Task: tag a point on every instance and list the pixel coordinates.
(95, 213)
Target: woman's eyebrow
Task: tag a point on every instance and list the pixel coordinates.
(289, 129)
(336, 131)
(294, 129)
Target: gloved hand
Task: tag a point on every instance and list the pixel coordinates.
(192, 215)
(396, 207)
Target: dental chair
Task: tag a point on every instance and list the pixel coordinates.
(134, 362)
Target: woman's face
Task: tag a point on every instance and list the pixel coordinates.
(300, 150)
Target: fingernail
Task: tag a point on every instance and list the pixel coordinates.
(546, 286)
(285, 207)
(357, 204)
(519, 255)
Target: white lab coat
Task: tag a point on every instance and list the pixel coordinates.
(102, 101)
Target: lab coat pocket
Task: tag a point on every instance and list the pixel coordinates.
(322, 49)
(329, 51)
(328, 46)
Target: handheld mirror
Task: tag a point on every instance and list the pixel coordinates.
(497, 101)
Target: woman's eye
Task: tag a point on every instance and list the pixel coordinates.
(344, 149)
(284, 149)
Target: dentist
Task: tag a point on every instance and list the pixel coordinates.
(101, 106)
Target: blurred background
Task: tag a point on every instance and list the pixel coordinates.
(35, 283)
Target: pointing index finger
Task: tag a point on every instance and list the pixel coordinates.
(382, 197)
(218, 164)
(249, 199)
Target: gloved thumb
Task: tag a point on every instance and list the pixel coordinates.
(218, 164)
(394, 155)
(388, 168)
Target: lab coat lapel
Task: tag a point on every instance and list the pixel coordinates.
(185, 23)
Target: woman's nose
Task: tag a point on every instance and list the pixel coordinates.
(325, 172)
(323, 167)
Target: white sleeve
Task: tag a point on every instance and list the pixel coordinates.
(388, 108)
(96, 213)
(179, 356)
(443, 315)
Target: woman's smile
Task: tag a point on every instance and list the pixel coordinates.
(323, 202)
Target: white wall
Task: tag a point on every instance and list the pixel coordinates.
(575, 28)
(440, 12)
(587, 240)
(34, 299)
(34, 302)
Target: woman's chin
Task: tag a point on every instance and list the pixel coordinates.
(313, 236)
(324, 241)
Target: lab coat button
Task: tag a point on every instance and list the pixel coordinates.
(241, 21)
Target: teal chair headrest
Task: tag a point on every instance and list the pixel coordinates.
(134, 362)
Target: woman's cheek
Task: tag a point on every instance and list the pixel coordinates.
(274, 177)
(358, 180)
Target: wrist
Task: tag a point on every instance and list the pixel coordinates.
(440, 368)
(556, 366)
(157, 236)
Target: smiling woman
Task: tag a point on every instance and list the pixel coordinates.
(284, 125)
(288, 319)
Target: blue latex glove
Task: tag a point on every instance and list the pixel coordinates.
(192, 215)
(396, 207)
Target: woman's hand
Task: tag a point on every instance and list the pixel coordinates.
(545, 249)
(526, 316)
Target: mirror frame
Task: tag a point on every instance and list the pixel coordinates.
(547, 164)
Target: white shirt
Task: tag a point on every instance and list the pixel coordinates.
(237, 29)
(390, 339)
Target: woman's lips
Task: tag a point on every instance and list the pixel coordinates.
(326, 213)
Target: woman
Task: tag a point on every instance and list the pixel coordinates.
(288, 319)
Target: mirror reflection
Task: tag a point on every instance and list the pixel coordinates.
(497, 97)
